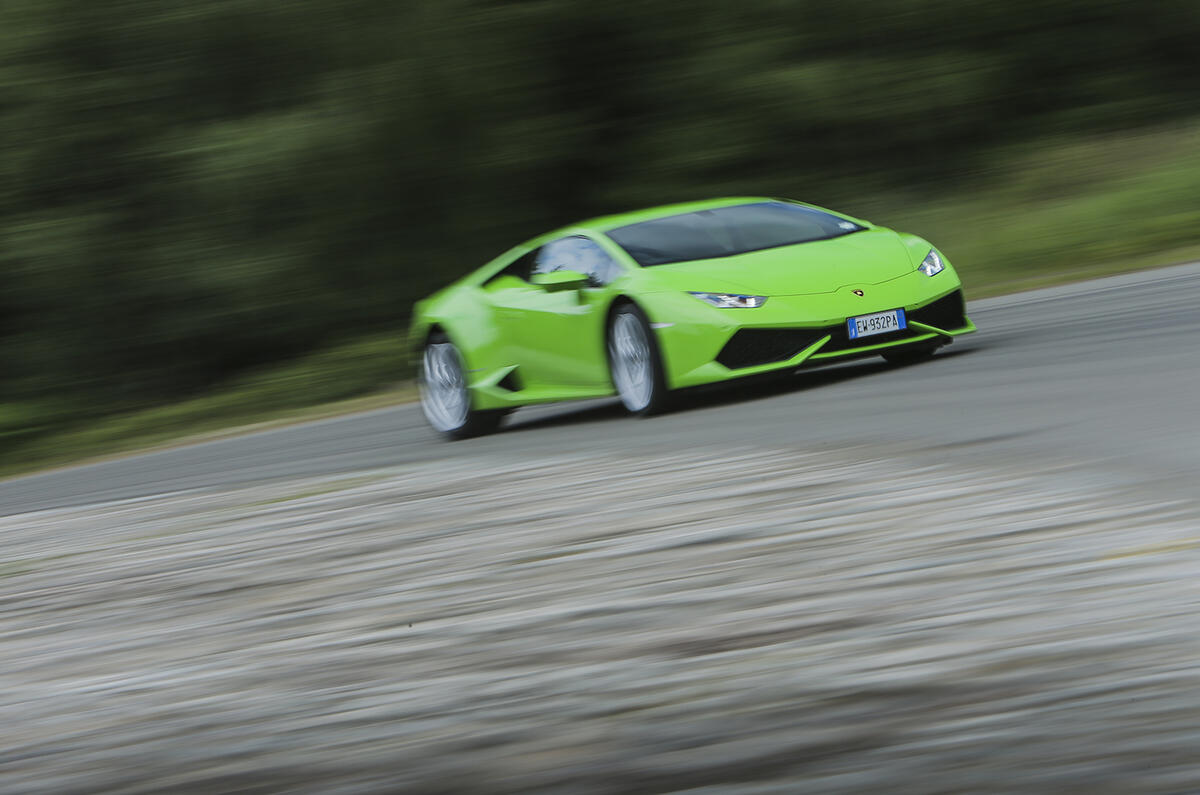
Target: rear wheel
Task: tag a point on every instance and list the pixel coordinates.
(634, 362)
(911, 355)
(445, 398)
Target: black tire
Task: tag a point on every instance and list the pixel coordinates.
(645, 392)
(446, 401)
(911, 355)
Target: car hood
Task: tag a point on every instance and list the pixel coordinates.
(824, 266)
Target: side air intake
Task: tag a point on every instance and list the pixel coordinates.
(511, 382)
(946, 313)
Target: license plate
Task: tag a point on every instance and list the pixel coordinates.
(878, 323)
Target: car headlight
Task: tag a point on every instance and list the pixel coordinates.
(731, 300)
(932, 265)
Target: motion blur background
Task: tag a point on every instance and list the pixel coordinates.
(973, 574)
(227, 208)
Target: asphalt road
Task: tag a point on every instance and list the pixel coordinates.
(1100, 376)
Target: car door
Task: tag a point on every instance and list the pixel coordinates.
(556, 337)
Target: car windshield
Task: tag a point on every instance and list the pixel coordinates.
(726, 231)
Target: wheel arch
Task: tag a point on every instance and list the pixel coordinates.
(434, 328)
(619, 300)
(624, 299)
(418, 338)
(453, 333)
(450, 330)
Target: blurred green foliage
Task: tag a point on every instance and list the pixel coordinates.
(333, 380)
(191, 191)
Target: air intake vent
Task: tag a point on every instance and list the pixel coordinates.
(946, 313)
(754, 346)
(511, 382)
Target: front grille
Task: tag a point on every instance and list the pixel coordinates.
(750, 347)
(945, 313)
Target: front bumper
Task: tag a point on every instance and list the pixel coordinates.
(762, 343)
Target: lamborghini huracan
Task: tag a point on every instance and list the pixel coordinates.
(644, 303)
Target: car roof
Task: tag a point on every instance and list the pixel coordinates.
(604, 223)
(607, 222)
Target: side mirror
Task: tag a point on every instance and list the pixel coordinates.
(561, 280)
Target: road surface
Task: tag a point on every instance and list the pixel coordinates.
(1104, 374)
(973, 574)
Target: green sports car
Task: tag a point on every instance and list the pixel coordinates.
(640, 304)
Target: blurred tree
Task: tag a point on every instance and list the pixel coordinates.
(188, 190)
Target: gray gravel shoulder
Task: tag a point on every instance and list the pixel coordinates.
(867, 619)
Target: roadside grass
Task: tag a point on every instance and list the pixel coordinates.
(355, 376)
(1060, 211)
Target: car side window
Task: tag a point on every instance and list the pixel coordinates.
(577, 253)
(520, 267)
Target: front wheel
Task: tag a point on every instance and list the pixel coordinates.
(634, 362)
(445, 398)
